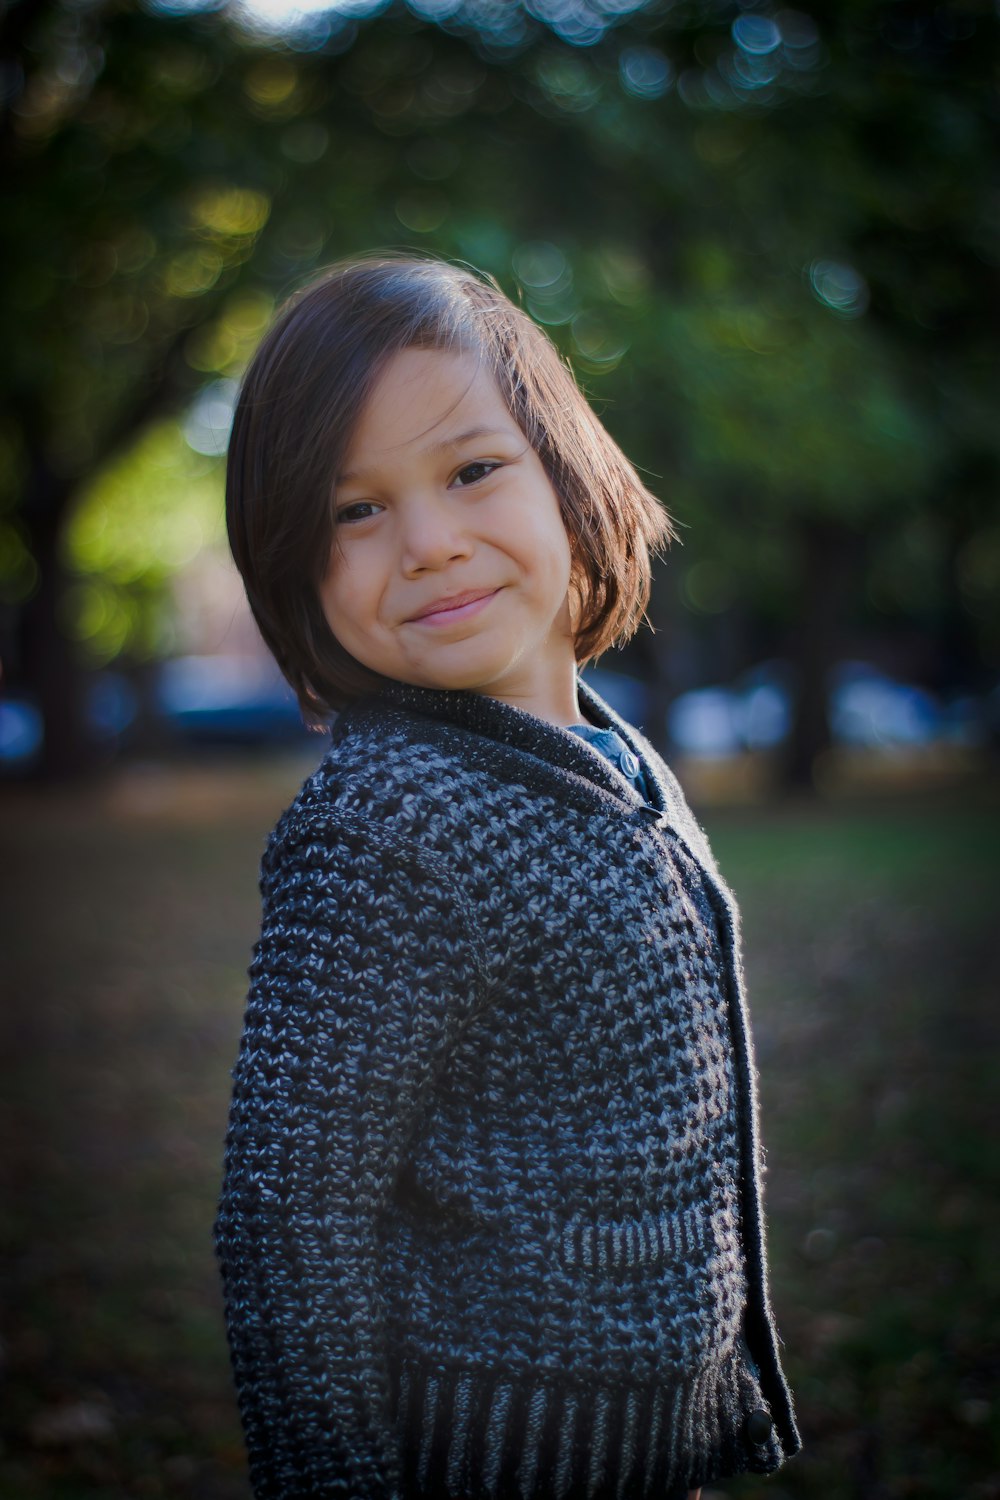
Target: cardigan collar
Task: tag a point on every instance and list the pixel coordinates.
(515, 731)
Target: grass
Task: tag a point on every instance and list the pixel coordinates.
(872, 959)
(871, 948)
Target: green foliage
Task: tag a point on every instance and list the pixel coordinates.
(765, 240)
(137, 524)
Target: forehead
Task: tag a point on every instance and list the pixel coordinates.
(422, 398)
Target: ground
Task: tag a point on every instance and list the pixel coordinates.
(872, 955)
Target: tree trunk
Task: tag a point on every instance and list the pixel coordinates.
(828, 560)
(48, 664)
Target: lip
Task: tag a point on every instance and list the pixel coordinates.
(455, 606)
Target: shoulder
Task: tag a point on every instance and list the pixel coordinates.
(348, 861)
(383, 808)
(392, 772)
(443, 784)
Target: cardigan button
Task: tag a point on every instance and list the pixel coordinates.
(629, 763)
(759, 1426)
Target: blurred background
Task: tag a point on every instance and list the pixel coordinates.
(767, 240)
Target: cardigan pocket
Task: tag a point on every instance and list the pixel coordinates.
(635, 1245)
(686, 1263)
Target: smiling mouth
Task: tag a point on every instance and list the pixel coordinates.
(444, 615)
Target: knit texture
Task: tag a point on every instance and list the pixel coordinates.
(490, 1222)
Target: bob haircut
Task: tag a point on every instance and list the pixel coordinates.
(300, 400)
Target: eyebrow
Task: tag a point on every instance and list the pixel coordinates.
(448, 442)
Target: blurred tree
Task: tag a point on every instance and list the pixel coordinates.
(145, 516)
(783, 218)
(122, 235)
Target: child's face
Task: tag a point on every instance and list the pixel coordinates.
(441, 498)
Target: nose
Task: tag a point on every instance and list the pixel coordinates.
(432, 533)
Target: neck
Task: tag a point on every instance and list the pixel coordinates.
(556, 700)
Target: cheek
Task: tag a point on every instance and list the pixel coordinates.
(555, 544)
(328, 591)
(329, 609)
(346, 590)
(338, 608)
(541, 531)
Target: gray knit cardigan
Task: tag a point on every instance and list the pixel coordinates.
(491, 1223)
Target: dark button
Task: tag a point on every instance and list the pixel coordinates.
(759, 1426)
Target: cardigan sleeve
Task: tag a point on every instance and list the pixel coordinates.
(363, 976)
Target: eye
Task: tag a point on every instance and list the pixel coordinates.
(359, 510)
(472, 473)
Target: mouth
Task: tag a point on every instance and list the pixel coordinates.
(457, 607)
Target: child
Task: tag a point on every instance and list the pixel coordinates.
(491, 1222)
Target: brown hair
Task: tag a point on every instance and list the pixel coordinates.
(298, 405)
